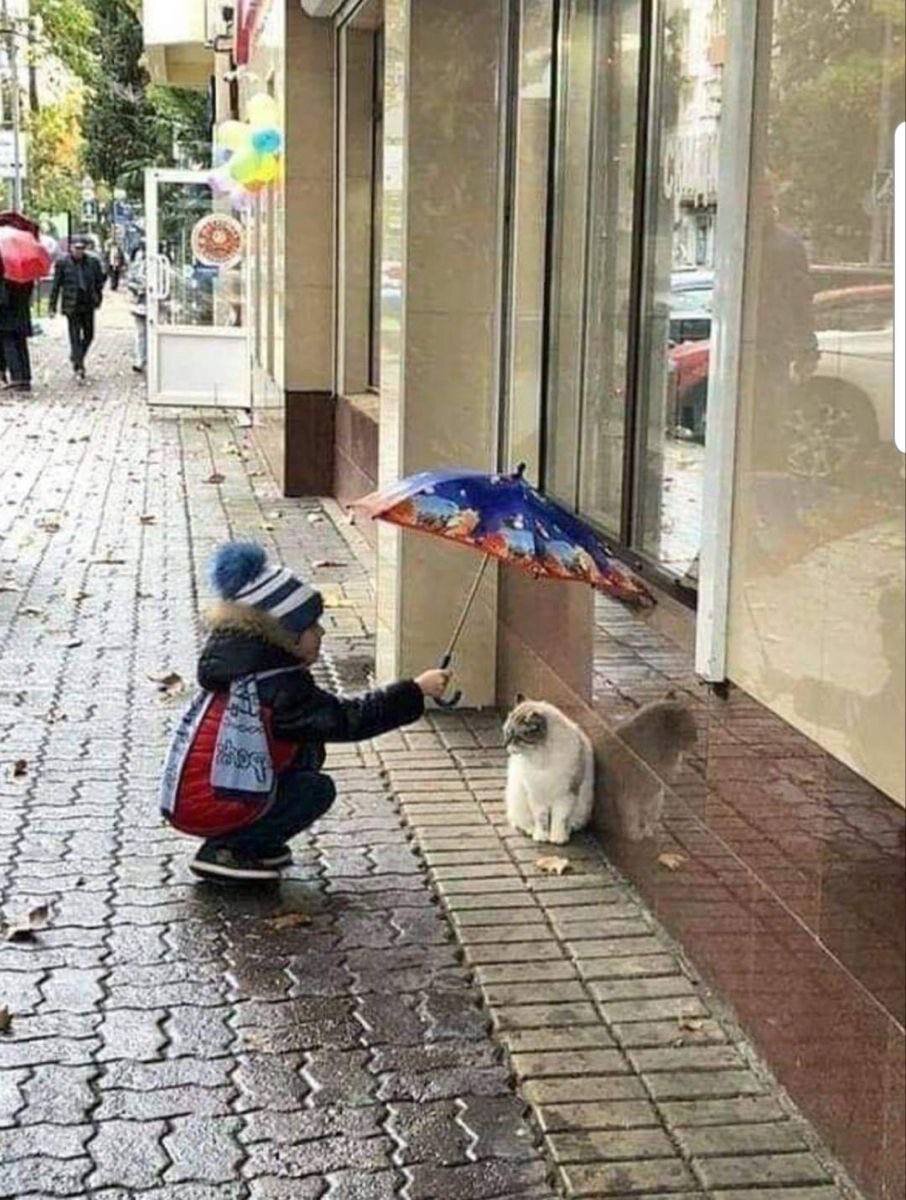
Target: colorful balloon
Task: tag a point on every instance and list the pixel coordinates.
(268, 140)
(263, 111)
(245, 165)
(220, 183)
(233, 135)
(268, 170)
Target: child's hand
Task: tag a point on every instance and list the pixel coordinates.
(434, 683)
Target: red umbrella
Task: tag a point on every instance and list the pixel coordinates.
(17, 221)
(24, 258)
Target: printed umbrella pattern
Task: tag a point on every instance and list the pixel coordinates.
(504, 517)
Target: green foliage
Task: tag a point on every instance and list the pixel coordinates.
(837, 92)
(65, 29)
(55, 155)
(129, 124)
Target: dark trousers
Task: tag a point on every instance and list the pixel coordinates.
(16, 357)
(81, 334)
(302, 797)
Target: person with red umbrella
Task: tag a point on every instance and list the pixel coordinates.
(23, 259)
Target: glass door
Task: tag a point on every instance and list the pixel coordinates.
(197, 336)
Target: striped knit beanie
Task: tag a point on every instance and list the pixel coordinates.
(241, 574)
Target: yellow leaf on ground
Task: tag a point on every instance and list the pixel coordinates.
(289, 920)
(672, 860)
(552, 865)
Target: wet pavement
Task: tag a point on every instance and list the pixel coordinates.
(360, 1032)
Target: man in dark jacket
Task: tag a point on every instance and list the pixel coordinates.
(79, 280)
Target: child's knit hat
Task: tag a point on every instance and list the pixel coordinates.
(240, 573)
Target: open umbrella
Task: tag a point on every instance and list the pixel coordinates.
(24, 258)
(504, 517)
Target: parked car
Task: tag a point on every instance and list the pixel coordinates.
(849, 393)
(691, 298)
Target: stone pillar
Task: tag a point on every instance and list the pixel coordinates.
(439, 356)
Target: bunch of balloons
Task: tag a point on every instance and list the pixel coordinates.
(248, 155)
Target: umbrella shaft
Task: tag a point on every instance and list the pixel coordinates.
(463, 616)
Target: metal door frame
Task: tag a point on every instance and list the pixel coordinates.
(153, 177)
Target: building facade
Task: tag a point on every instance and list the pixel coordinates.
(645, 247)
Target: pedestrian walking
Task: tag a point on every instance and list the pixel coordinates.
(15, 330)
(78, 286)
(244, 770)
(116, 263)
(136, 281)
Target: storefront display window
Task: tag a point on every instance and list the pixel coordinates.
(817, 598)
(637, 146)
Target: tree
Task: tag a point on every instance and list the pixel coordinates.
(56, 154)
(837, 81)
(130, 125)
(65, 29)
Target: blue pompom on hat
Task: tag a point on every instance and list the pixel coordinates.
(241, 574)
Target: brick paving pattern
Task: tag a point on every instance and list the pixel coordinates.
(166, 1040)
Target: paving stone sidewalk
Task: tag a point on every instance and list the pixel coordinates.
(169, 1041)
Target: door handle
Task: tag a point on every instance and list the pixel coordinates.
(163, 277)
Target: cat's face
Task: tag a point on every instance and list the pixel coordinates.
(525, 728)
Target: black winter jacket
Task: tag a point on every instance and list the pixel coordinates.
(66, 278)
(244, 641)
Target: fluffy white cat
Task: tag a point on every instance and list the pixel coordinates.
(550, 774)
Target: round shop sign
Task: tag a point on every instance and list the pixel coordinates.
(217, 240)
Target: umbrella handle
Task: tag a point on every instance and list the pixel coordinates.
(443, 665)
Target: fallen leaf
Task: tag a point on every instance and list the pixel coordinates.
(73, 644)
(6, 1019)
(78, 597)
(268, 527)
(691, 1024)
(672, 860)
(49, 526)
(289, 920)
(108, 562)
(323, 563)
(25, 930)
(274, 515)
(169, 684)
(256, 474)
(314, 518)
(552, 865)
(20, 768)
(32, 612)
(148, 519)
(215, 478)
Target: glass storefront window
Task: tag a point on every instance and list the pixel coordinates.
(567, 295)
(526, 330)
(678, 281)
(596, 336)
(613, 152)
(817, 598)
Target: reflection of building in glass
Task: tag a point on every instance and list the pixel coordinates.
(695, 42)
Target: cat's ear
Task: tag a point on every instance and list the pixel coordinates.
(520, 699)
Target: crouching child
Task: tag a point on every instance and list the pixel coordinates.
(244, 770)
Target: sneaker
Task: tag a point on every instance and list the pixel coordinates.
(223, 864)
(280, 856)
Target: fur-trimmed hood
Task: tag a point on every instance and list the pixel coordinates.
(242, 641)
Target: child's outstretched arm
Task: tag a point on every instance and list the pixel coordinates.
(307, 712)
